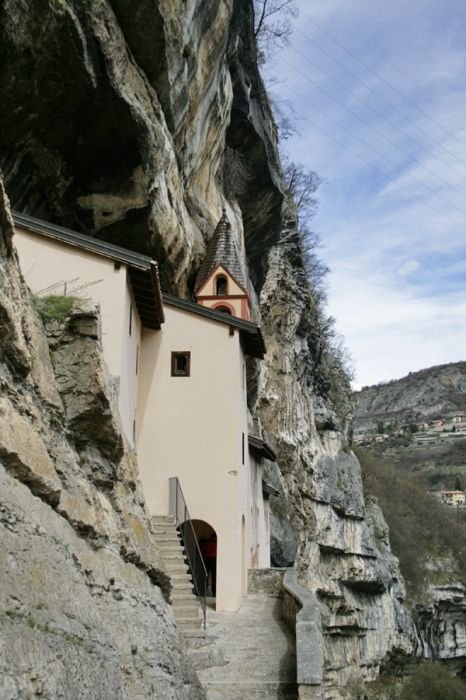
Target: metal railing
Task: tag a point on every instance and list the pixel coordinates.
(179, 509)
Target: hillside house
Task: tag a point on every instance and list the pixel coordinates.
(179, 371)
(452, 498)
(457, 417)
(438, 424)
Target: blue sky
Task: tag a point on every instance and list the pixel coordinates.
(392, 210)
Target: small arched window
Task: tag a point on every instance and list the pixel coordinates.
(221, 285)
(223, 309)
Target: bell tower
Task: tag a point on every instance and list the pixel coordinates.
(222, 281)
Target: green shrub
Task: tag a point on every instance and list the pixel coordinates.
(421, 528)
(54, 307)
(433, 682)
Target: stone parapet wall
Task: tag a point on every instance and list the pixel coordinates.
(268, 581)
(301, 611)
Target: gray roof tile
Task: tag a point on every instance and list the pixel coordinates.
(223, 249)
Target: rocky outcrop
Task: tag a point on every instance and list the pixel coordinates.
(138, 125)
(428, 394)
(344, 553)
(441, 624)
(83, 609)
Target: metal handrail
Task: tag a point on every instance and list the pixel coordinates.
(179, 509)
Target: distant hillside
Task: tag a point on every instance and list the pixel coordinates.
(427, 394)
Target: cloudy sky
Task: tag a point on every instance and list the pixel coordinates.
(377, 90)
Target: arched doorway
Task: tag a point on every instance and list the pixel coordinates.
(207, 538)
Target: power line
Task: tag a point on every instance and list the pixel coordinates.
(389, 160)
(374, 167)
(385, 81)
(377, 94)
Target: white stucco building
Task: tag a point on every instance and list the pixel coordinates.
(195, 427)
(179, 367)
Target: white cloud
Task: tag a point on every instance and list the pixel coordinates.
(408, 268)
(389, 332)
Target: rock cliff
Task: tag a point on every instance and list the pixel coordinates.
(425, 395)
(137, 125)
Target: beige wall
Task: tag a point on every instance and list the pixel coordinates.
(192, 428)
(46, 262)
(208, 289)
(238, 307)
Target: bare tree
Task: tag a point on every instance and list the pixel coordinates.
(284, 116)
(302, 185)
(272, 25)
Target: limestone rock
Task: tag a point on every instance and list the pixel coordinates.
(430, 393)
(441, 623)
(24, 453)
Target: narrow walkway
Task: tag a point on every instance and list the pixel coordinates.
(248, 654)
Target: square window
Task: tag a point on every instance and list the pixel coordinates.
(181, 364)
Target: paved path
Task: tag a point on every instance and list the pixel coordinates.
(248, 654)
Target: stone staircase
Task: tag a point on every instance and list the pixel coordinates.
(186, 608)
(247, 655)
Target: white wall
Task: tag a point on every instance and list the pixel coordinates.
(192, 427)
(46, 262)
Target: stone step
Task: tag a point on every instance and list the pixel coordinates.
(181, 585)
(172, 555)
(187, 610)
(181, 576)
(183, 616)
(165, 535)
(180, 605)
(174, 560)
(157, 519)
(179, 594)
(189, 625)
(175, 566)
(251, 691)
(168, 528)
(167, 538)
(170, 548)
(179, 597)
(194, 634)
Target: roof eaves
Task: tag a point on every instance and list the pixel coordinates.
(142, 269)
(250, 333)
(262, 448)
(82, 240)
(154, 269)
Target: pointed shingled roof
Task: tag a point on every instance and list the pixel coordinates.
(223, 250)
